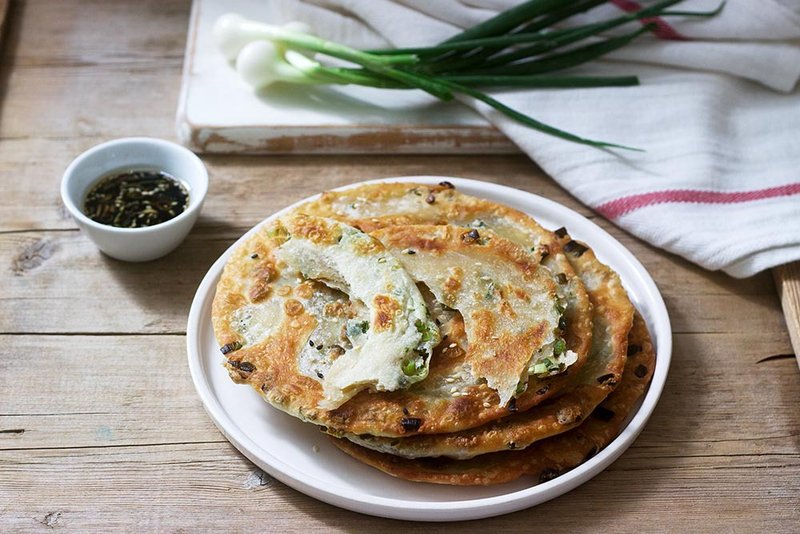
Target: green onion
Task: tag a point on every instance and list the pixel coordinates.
(572, 35)
(539, 369)
(516, 48)
(542, 81)
(509, 19)
(569, 59)
(533, 123)
(425, 330)
(410, 368)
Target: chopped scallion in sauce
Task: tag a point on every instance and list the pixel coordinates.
(136, 199)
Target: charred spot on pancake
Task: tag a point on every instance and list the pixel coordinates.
(544, 389)
(447, 185)
(575, 248)
(609, 379)
(244, 367)
(254, 256)
(633, 349)
(410, 424)
(365, 437)
(431, 198)
(548, 473)
(511, 445)
(561, 278)
(320, 375)
(471, 237)
(640, 371)
(561, 232)
(544, 251)
(405, 411)
(230, 347)
(603, 413)
(512, 405)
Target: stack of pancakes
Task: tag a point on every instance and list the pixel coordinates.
(436, 336)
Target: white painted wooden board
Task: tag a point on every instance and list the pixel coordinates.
(218, 113)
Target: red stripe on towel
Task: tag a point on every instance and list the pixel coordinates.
(621, 206)
(662, 29)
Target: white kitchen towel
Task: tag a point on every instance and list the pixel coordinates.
(718, 113)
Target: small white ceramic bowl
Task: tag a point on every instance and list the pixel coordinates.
(135, 244)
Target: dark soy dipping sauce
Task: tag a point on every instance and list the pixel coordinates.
(135, 199)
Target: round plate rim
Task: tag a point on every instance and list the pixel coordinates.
(655, 315)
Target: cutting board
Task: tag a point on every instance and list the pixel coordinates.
(218, 113)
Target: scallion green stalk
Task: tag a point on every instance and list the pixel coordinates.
(516, 48)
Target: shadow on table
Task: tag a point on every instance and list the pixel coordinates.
(9, 42)
(165, 287)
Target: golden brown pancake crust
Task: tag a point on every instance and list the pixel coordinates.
(544, 460)
(269, 367)
(380, 205)
(270, 364)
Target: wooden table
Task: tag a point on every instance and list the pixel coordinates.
(100, 426)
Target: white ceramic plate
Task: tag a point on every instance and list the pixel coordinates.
(301, 456)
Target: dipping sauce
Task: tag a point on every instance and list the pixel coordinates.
(135, 199)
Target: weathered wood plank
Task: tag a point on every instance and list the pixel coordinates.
(243, 190)
(208, 487)
(82, 391)
(787, 282)
(136, 390)
(59, 282)
(92, 68)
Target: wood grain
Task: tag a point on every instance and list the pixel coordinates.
(787, 282)
(4, 4)
(100, 426)
(130, 428)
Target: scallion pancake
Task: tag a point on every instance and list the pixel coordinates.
(284, 331)
(545, 459)
(385, 204)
